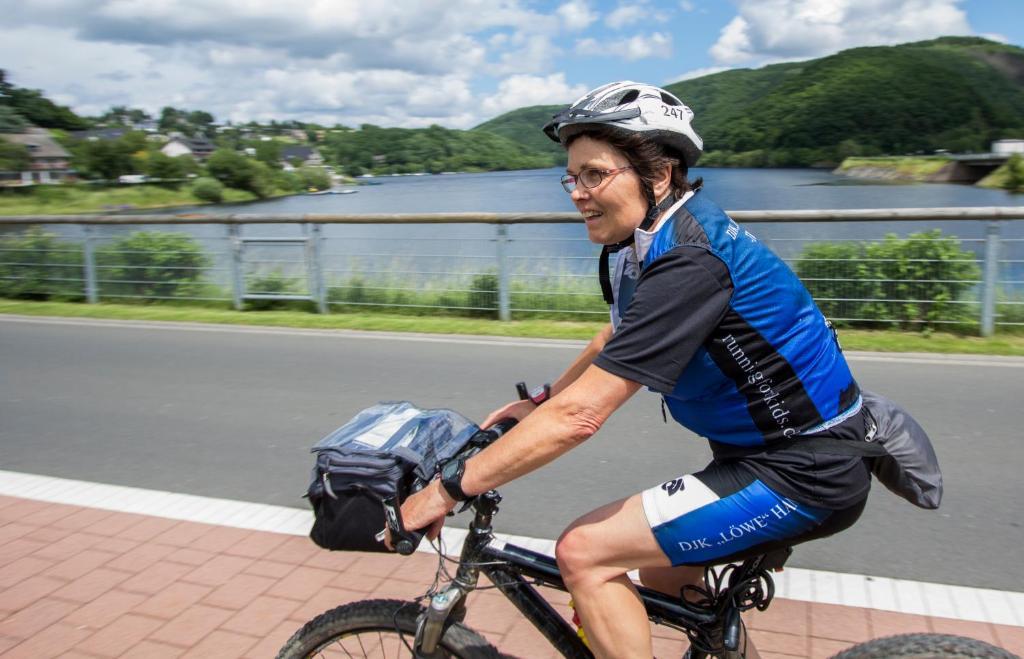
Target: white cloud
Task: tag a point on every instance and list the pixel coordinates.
(522, 90)
(640, 46)
(576, 14)
(527, 53)
(795, 29)
(686, 5)
(657, 44)
(696, 73)
(625, 15)
(588, 46)
(993, 36)
(404, 63)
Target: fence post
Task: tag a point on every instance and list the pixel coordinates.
(991, 278)
(504, 311)
(318, 291)
(237, 281)
(92, 291)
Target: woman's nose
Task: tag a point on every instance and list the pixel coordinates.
(578, 193)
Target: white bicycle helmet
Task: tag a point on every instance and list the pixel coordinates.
(632, 107)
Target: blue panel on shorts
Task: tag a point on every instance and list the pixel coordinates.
(752, 516)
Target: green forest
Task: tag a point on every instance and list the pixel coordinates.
(376, 150)
(955, 93)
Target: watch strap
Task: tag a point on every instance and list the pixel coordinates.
(452, 482)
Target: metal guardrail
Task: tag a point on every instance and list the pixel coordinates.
(518, 288)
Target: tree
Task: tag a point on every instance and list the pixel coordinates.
(269, 153)
(236, 171)
(11, 121)
(230, 168)
(109, 159)
(159, 165)
(36, 108)
(13, 157)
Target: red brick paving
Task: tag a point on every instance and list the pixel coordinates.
(80, 582)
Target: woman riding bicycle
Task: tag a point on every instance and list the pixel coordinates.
(705, 315)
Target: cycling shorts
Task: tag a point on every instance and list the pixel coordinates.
(725, 513)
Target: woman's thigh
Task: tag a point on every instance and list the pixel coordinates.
(615, 537)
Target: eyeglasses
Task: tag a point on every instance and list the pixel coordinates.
(590, 178)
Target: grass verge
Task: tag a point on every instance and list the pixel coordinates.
(72, 199)
(880, 340)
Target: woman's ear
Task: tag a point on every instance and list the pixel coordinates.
(663, 184)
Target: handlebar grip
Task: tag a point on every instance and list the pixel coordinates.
(405, 541)
(502, 426)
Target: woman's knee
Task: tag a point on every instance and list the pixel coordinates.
(574, 553)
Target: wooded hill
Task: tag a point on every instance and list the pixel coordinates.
(953, 93)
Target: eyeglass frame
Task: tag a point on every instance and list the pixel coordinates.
(574, 179)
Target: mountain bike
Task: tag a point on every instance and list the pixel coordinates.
(709, 615)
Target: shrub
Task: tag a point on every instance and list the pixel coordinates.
(314, 178)
(1015, 173)
(208, 189)
(913, 282)
(152, 265)
(36, 265)
(483, 296)
(237, 171)
(274, 282)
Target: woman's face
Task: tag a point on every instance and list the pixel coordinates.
(617, 206)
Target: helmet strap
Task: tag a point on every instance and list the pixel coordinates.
(654, 211)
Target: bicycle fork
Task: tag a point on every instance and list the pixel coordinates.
(432, 623)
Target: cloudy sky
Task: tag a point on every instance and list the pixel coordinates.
(414, 63)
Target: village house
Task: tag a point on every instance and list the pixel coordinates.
(49, 162)
(101, 134)
(307, 156)
(197, 147)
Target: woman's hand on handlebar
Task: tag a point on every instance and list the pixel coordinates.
(517, 410)
(425, 510)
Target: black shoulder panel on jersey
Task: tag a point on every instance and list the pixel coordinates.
(686, 230)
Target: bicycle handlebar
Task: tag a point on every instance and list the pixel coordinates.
(406, 541)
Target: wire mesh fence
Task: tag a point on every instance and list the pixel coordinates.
(860, 273)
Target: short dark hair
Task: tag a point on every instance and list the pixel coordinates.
(646, 156)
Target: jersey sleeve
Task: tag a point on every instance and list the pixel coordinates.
(680, 298)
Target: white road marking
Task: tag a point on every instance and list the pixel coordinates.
(883, 593)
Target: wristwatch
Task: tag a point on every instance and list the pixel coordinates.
(451, 478)
(537, 395)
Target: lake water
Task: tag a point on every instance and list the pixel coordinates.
(540, 191)
(423, 253)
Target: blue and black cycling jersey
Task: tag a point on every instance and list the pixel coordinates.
(756, 360)
(725, 331)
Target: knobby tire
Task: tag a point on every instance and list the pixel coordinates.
(924, 646)
(361, 628)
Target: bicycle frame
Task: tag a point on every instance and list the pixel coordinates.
(515, 571)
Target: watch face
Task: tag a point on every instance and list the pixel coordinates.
(450, 469)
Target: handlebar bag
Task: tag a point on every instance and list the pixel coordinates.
(386, 451)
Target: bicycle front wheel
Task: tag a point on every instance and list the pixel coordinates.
(924, 646)
(378, 628)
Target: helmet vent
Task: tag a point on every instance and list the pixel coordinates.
(669, 99)
(629, 96)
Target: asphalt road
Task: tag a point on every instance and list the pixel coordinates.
(231, 412)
